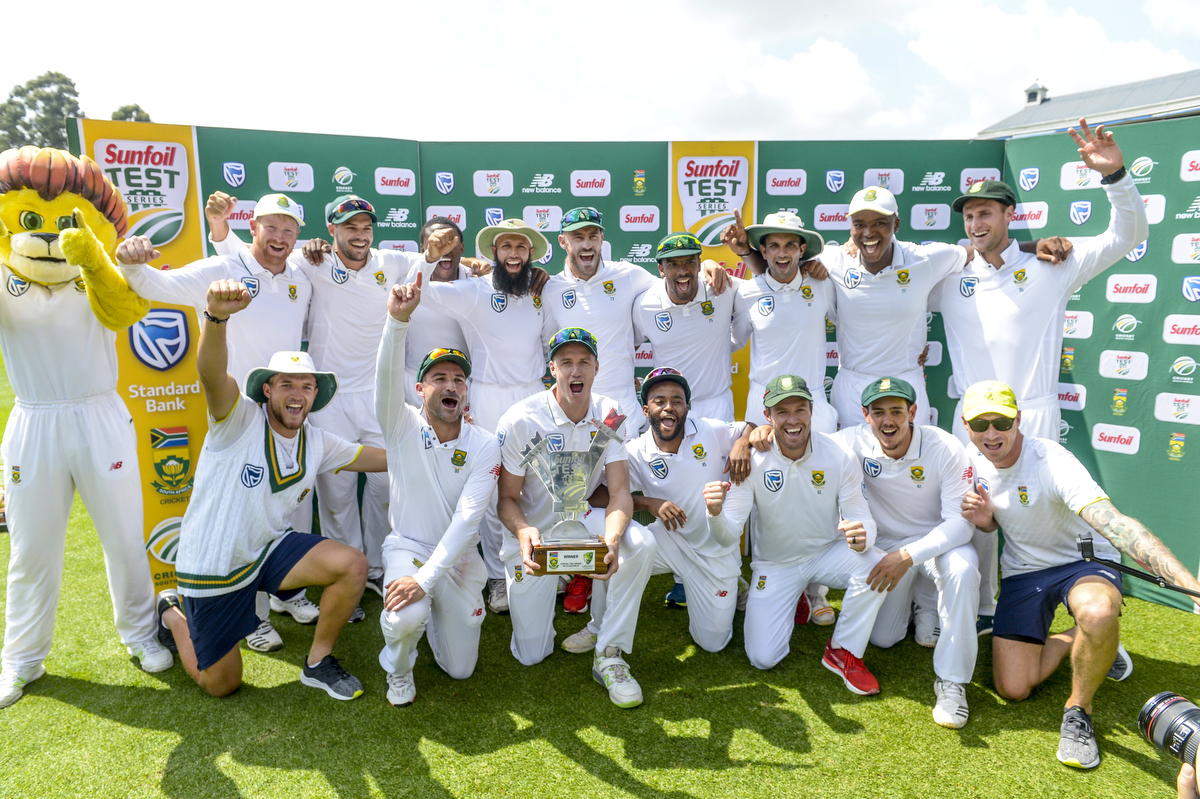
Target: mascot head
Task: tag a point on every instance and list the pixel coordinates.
(39, 190)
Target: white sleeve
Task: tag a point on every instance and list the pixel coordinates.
(1127, 228)
(510, 444)
(954, 530)
(852, 503)
(726, 527)
(230, 245)
(338, 452)
(390, 408)
(223, 433)
(741, 330)
(944, 259)
(455, 298)
(641, 279)
(185, 286)
(468, 513)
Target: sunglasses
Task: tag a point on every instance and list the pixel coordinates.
(573, 334)
(663, 370)
(582, 215)
(348, 206)
(1003, 424)
(677, 243)
(441, 352)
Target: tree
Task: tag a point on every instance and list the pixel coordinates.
(131, 113)
(36, 113)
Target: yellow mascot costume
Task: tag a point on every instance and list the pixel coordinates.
(60, 303)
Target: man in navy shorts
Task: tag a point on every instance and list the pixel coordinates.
(260, 461)
(1045, 499)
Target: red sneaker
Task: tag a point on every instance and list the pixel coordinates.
(802, 609)
(851, 669)
(576, 600)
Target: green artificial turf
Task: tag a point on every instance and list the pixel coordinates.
(711, 726)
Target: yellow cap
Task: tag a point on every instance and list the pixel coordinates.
(989, 396)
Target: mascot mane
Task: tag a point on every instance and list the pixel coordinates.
(52, 172)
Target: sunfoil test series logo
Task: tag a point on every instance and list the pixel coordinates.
(710, 189)
(152, 176)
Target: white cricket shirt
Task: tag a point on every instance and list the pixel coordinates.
(785, 323)
(1007, 324)
(439, 490)
(1037, 503)
(800, 502)
(917, 499)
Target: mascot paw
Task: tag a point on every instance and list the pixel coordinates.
(80, 247)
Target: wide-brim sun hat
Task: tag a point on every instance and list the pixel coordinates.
(487, 236)
(786, 222)
(292, 363)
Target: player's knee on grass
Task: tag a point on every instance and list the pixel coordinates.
(1014, 677)
(223, 677)
(408, 620)
(886, 639)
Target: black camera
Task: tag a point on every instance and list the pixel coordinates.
(1172, 723)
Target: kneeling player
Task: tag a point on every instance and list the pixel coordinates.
(915, 477)
(443, 476)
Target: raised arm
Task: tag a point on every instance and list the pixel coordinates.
(225, 298)
(389, 363)
(1131, 537)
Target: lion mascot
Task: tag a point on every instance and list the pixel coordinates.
(61, 301)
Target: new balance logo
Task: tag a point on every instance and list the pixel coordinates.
(933, 178)
(1192, 212)
(397, 215)
(116, 466)
(639, 250)
(541, 181)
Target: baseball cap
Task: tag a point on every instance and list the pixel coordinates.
(664, 374)
(784, 386)
(989, 396)
(444, 354)
(291, 363)
(676, 245)
(278, 204)
(874, 198)
(786, 222)
(487, 236)
(574, 335)
(343, 208)
(888, 387)
(581, 217)
(987, 190)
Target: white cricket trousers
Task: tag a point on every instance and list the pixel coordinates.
(719, 407)
(1039, 418)
(352, 416)
(50, 450)
(775, 590)
(451, 614)
(531, 599)
(711, 586)
(487, 402)
(954, 575)
(848, 386)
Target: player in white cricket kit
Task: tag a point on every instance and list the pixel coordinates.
(1004, 312)
(1046, 501)
(567, 416)
(443, 474)
(915, 477)
(814, 526)
(506, 329)
(260, 461)
(689, 326)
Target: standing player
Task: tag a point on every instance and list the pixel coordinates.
(567, 415)
(260, 461)
(814, 525)
(1046, 501)
(915, 477)
(443, 475)
(1004, 313)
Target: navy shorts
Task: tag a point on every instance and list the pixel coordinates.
(217, 623)
(1028, 601)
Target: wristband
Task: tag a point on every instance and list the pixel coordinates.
(1113, 178)
(214, 319)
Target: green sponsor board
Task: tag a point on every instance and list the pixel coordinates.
(1128, 386)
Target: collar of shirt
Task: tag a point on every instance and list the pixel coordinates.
(667, 304)
(808, 451)
(595, 280)
(431, 435)
(897, 261)
(1012, 256)
(777, 287)
(650, 446)
(253, 267)
(560, 416)
(914, 446)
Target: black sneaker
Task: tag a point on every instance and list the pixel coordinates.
(167, 598)
(1077, 746)
(330, 677)
(376, 585)
(983, 625)
(358, 615)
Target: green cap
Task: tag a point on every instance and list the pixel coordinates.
(784, 386)
(573, 335)
(676, 245)
(987, 190)
(344, 208)
(581, 217)
(889, 387)
(444, 354)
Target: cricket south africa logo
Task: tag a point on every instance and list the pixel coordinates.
(710, 189)
(152, 176)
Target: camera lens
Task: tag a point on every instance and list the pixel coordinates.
(1171, 723)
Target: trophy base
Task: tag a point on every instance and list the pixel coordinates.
(580, 557)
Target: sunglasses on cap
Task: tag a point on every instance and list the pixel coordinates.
(684, 241)
(569, 334)
(441, 352)
(582, 215)
(1003, 424)
(663, 371)
(356, 205)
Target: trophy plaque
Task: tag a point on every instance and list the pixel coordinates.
(568, 547)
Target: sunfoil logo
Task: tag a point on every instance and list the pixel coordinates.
(152, 176)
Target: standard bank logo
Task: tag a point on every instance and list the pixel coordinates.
(773, 479)
(1081, 211)
(1029, 178)
(835, 179)
(160, 339)
(1191, 288)
(234, 173)
(252, 475)
(444, 181)
(252, 285)
(872, 467)
(493, 216)
(17, 285)
(1138, 252)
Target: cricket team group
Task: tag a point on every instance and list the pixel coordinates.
(425, 372)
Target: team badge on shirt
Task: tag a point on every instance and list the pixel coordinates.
(252, 285)
(698, 451)
(1019, 277)
(303, 494)
(609, 288)
(762, 582)
(1023, 495)
(706, 308)
(663, 320)
(458, 459)
(17, 286)
(902, 278)
(427, 437)
(766, 305)
(966, 286)
(292, 292)
(80, 288)
(252, 475)
(806, 292)
(519, 574)
(380, 279)
(985, 485)
(818, 479)
(339, 274)
(499, 302)
(659, 467)
(773, 479)
(873, 468)
(537, 302)
(568, 299)
(853, 277)
(16, 475)
(917, 473)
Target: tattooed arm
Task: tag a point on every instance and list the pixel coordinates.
(1131, 537)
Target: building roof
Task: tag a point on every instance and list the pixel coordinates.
(1168, 96)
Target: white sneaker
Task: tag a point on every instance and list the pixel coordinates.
(401, 690)
(580, 642)
(951, 708)
(264, 639)
(12, 685)
(611, 671)
(928, 626)
(298, 607)
(821, 612)
(498, 595)
(153, 656)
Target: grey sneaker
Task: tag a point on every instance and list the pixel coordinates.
(928, 627)
(12, 685)
(358, 615)
(152, 656)
(1122, 667)
(330, 677)
(951, 708)
(611, 671)
(1077, 746)
(497, 595)
(298, 607)
(582, 641)
(376, 584)
(401, 690)
(264, 639)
